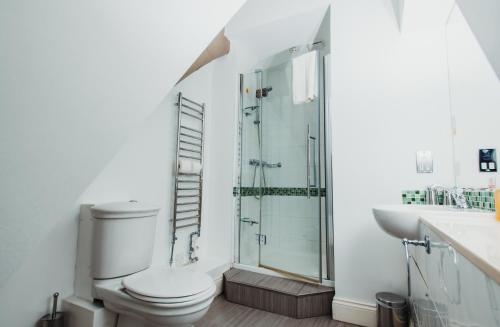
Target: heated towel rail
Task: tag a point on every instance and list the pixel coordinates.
(188, 185)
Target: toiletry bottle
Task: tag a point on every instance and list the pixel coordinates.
(492, 183)
(497, 203)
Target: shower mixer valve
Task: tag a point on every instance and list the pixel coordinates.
(249, 221)
(257, 163)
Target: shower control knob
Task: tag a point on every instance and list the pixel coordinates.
(249, 221)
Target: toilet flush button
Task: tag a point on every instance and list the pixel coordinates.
(424, 162)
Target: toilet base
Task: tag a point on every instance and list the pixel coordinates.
(187, 320)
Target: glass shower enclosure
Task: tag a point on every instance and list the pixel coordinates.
(280, 205)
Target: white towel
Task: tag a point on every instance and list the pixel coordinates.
(187, 166)
(305, 78)
(196, 167)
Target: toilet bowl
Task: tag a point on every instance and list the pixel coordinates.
(160, 296)
(124, 280)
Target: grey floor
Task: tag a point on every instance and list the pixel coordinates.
(226, 314)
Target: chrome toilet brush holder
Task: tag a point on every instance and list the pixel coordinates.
(53, 319)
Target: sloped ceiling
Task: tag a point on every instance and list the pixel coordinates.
(255, 13)
(483, 17)
(218, 47)
(76, 78)
(266, 28)
(415, 15)
(398, 6)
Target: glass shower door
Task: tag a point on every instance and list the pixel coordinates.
(279, 192)
(290, 205)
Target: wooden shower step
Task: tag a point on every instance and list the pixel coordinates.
(283, 296)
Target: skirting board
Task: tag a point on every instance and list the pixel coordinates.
(354, 312)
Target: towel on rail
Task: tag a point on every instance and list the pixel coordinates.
(305, 78)
(187, 166)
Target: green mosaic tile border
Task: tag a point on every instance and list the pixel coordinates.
(419, 197)
(277, 191)
(479, 199)
(414, 197)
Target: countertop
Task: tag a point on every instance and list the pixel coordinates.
(476, 236)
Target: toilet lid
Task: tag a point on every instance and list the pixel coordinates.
(163, 282)
(130, 209)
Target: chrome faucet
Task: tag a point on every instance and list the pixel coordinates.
(458, 195)
(454, 194)
(432, 192)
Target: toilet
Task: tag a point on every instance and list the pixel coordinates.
(123, 238)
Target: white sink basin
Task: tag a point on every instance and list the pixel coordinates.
(401, 221)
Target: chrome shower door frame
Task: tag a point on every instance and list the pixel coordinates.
(324, 170)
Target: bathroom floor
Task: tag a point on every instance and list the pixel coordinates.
(226, 314)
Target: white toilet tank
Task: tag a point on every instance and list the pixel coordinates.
(123, 238)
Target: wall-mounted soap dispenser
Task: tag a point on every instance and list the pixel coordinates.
(487, 160)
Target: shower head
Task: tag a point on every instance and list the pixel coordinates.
(264, 92)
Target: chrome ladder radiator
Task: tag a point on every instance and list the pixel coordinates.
(188, 185)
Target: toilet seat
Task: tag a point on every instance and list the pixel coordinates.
(178, 301)
(167, 285)
(161, 311)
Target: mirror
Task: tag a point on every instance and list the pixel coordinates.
(474, 88)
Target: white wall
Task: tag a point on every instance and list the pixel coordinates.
(218, 202)
(389, 99)
(76, 79)
(143, 167)
(475, 98)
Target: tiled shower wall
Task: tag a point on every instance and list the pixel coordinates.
(291, 224)
(284, 129)
(285, 214)
(479, 199)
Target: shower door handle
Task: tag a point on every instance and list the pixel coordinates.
(310, 139)
(308, 154)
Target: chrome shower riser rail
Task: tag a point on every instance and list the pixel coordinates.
(185, 136)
